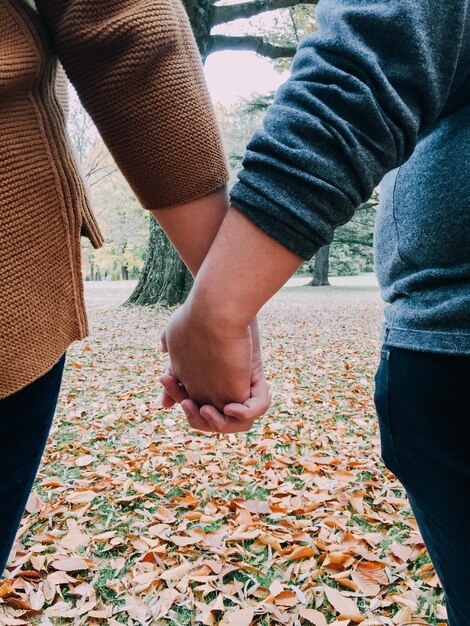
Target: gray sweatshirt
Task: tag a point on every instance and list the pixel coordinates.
(382, 88)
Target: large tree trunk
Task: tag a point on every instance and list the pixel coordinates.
(320, 268)
(164, 278)
(201, 15)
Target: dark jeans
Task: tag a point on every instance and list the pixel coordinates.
(422, 401)
(25, 421)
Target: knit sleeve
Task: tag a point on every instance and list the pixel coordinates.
(137, 71)
(374, 77)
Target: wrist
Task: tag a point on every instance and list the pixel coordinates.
(208, 308)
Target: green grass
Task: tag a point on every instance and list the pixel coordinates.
(255, 492)
(330, 289)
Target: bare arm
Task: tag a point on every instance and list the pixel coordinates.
(193, 226)
(252, 266)
(210, 339)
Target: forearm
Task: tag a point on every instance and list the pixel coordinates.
(193, 226)
(249, 264)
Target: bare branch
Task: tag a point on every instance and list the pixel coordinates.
(249, 42)
(96, 162)
(230, 12)
(95, 182)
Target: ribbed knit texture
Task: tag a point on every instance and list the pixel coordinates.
(136, 68)
(139, 75)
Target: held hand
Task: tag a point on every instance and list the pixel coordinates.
(236, 417)
(210, 359)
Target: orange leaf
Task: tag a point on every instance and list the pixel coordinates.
(341, 604)
(276, 588)
(6, 588)
(365, 584)
(84, 460)
(256, 506)
(374, 571)
(34, 504)
(401, 552)
(188, 501)
(302, 553)
(179, 572)
(313, 617)
(286, 598)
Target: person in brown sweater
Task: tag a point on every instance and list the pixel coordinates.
(137, 71)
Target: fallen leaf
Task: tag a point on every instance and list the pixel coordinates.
(73, 564)
(34, 503)
(313, 617)
(241, 617)
(302, 553)
(341, 604)
(84, 460)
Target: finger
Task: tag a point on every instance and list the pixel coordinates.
(166, 400)
(173, 388)
(194, 417)
(163, 342)
(254, 407)
(213, 417)
(224, 424)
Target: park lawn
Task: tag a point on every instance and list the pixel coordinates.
(136, 519)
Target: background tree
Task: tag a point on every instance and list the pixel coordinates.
(123, 221)
(125, 226)
(351, 250)
(204, 16)
(91, 152)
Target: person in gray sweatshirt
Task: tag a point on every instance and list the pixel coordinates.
(380, 93)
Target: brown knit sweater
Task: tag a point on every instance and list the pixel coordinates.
(136, 68)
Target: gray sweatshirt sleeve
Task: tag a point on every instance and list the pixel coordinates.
(374, 76)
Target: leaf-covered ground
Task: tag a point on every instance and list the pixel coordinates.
(136, 519)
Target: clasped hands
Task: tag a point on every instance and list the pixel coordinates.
(215, 370)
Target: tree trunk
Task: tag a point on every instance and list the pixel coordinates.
(164, 279)
(320, 268)
(201, 15)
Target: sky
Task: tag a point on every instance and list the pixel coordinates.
(239, 74)
(234, 74)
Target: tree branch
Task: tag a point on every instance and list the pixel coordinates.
(351, 240)
(249, 42)
(230, 12)
(95, 182)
